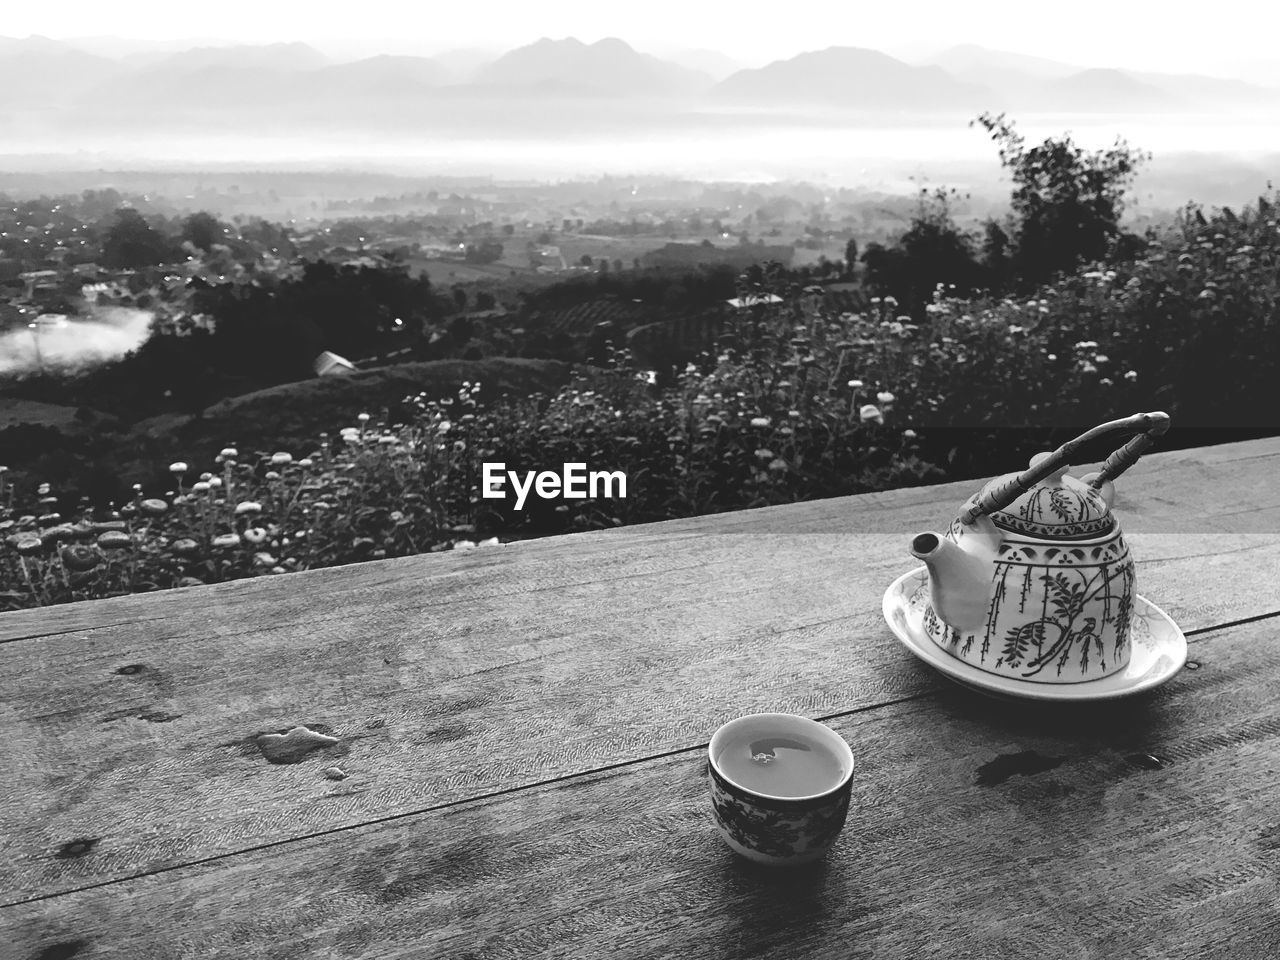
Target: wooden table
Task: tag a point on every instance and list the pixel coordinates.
(511, 753)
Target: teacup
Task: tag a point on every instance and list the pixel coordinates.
(780, 787)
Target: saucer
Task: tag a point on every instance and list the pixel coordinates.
(1158, 647)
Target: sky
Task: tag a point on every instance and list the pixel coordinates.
(1228, 37)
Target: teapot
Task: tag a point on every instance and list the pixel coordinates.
(1033, 580)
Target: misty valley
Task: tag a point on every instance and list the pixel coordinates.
(282, 314)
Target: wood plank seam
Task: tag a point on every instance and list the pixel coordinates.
(96, 626)
(1230, 623)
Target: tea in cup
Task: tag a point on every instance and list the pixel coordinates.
(780, 787)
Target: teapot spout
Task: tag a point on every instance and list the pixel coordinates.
(959, 580)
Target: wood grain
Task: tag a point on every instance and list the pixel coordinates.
(448, 678)
(978, 829)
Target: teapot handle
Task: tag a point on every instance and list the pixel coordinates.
(1148, 426)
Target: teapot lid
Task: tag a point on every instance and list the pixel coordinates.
(1059, 507)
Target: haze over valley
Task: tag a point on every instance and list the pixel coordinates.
(555, 108)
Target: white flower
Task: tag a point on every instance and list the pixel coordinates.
(227, 540)
(255, 534)
(1101, 358)
(201, 486)
(464, 545)
(870, 412)
(1131, 376)
(909, 434)
(885, 397)
(760, 421)
(229, 453)
(491, 542)
(248, 506)
(281, 458)
(215, 482)
(305, 462)
(178, 467)
(363, 418)
(856, 384)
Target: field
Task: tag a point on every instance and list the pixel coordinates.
(14, 411)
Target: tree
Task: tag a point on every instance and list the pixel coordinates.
(933, 251)
(995, 254)
(585, 260)
(487, 251)
(131, 243)
(202, 230)
(1066, 201)
(851, 253)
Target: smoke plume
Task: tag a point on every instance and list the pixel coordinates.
(108, 334)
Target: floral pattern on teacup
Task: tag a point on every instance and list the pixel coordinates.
(778, 830)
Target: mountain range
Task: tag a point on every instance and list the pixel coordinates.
(60, 82)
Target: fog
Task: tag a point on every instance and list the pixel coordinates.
(110, 333)
(752, 149)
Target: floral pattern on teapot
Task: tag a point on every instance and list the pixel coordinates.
(1059, 613)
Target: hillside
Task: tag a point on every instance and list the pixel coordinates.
(855, 77)
(608, 66)
(291, 415)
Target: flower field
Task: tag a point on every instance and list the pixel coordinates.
(798, 403)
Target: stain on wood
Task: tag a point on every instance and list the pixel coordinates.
(293, 745)
(148, 715)
(1025, 763)
(75, 849)
(62, 951)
